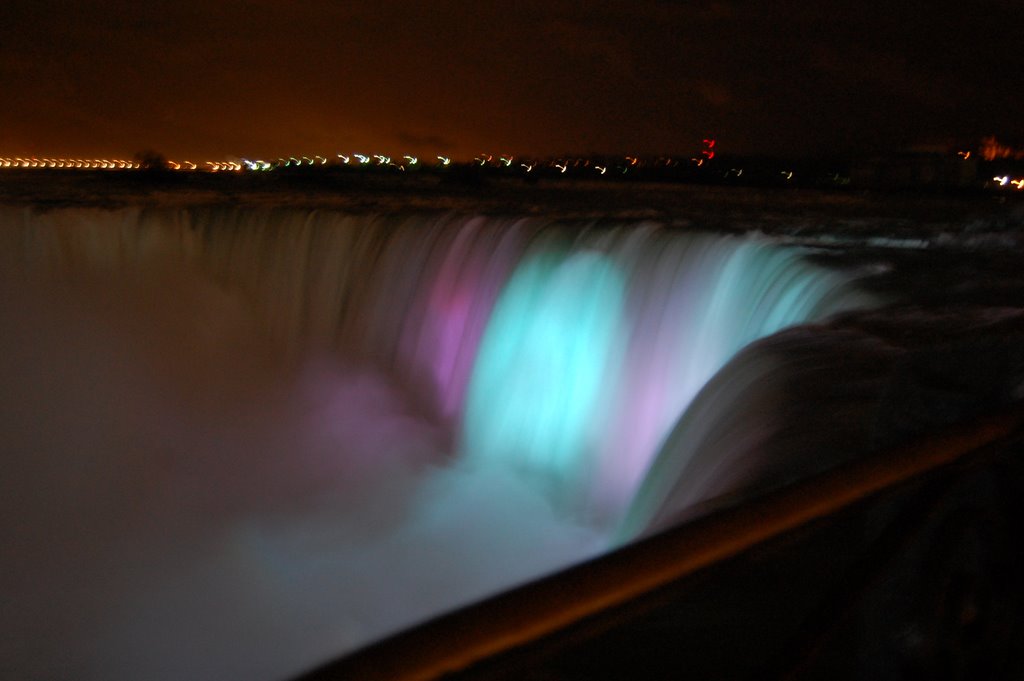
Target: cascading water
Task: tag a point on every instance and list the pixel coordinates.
(344, 424)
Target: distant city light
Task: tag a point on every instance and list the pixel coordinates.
(700, 167)
(64, 163)
(709, 149)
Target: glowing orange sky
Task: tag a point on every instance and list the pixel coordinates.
(267, 78)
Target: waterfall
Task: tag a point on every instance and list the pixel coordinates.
(585, 342)
(390, 401)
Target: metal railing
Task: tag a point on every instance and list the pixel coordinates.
(547, 607)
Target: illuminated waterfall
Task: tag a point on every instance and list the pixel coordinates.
(585, 343)
(330, 426)
(593, 353)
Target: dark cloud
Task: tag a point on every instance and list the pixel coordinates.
(415, 141)
(270, 78)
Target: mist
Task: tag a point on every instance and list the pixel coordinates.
(179, 502)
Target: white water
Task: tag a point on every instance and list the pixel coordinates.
(239, 442)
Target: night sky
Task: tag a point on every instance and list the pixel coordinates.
(266, 78)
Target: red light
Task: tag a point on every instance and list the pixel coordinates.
(708, 151)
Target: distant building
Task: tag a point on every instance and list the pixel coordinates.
(991, 149)
(915, 170)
